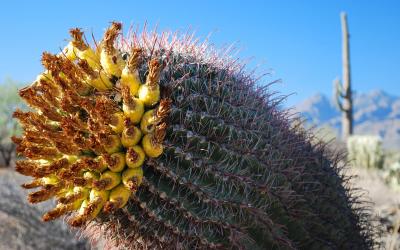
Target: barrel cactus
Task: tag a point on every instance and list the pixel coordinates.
(156, 141)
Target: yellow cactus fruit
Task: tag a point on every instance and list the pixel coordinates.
(84, 214)
(48, 78)
(117, 122)
(107, 181)
(95, 194)
(147, 124)
(87, 180)
(83, 51)
(70, 51)
(152, 143)
(110, 59)
(111, 143)
(112, 64)
(130, 74)
(135, 157)
(102, 80)
(96, 79)
(115, 162)
(149, 93)
(71, 158)
(132, 178)
(153, 117)
(83, 206)
(133, 107)
(90, 56)
(50, 180)
(102, 163)
(151, 147)
(118, 198)
(90, 208)
(131, 80)
(131, 134)
(78, 193)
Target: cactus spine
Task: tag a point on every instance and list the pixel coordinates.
(219, 165)
(343, 91)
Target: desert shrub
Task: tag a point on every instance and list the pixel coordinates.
(365, 151)
(391, 175)
(9, 101)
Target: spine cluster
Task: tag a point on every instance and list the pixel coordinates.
(92, 125)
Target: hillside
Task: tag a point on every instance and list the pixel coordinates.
(376, 112)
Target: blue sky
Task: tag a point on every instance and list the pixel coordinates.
(299, 41)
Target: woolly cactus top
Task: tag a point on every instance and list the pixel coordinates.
(160, 142)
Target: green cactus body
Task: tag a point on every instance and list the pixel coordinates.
(234, 173)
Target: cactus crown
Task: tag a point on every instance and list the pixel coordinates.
(197, 157)
(73, 138)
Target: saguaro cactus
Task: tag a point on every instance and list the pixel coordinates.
(343, 91)
(161, 142)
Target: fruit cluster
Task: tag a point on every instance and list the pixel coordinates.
(92, 125)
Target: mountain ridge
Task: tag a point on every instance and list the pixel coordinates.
(376, 113)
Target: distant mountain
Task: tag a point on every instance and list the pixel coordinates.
(376, 112)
